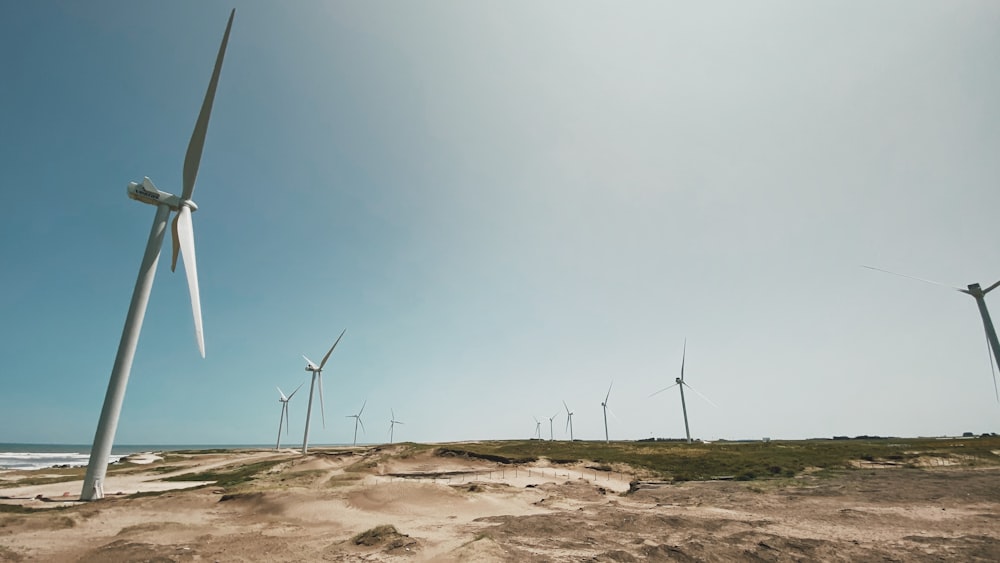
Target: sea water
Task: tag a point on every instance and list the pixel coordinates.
(41, 456)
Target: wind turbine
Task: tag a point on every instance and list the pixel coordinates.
(551, 418)
(680, 383)
(604, 405)
(392, 423)
(183, 243)
(538, 428)
(283, 417)
(317, 375)
(357, 420)
(979, 294)
(569, 421)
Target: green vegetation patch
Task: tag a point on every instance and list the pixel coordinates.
(739, 460)
(229, 477)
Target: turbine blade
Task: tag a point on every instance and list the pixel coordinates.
(613, 414)
(310, 363)
(287, 424)
(363, 407)
(185, 233)
(322, 408)
(296, 390)
(914, 278)
(684, 357)
(609, 393)
(989, 349)
(327, 356)
(553, 417)
(567, 407)
(280, 392)
(991, 288)
(688, 385)
(175, 245)
(193, 157)
(362, 425)
(664, 389)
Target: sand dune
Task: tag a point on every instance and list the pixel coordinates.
(423, 507)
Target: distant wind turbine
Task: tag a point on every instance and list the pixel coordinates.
(551, 418)
(357, 420)
(283, 417)
(979, 294)
(569, 421)
(317, 375)
(538, 428)
(392, 423)
(183, 244)
(680, 383)
(604, 405)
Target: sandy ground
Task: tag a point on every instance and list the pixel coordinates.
(313, 508)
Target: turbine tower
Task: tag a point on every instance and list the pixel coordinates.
(392, 423)
(977, 292)
(317, 375)
(283, 417)
(357, 420)
(183, 243)
(551, 418)
(604, 405)
(681, 384)
(569, 421)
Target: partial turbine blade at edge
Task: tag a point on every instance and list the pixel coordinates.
(991, 288)
(989, 350)
(192, 160)
(296, 390)
(185, 234)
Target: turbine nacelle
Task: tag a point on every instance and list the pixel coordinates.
(146, 192)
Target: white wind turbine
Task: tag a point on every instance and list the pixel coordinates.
(392, 423)
(317, 375)
(551, 418)
(604, 405)
(357, 420)
(283, 417)
(569, 421)
(979, 294)
(183, 243)
(538, 428)
(681, 384)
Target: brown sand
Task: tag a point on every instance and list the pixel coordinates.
(312, 508)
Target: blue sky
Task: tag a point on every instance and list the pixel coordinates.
(507, 205)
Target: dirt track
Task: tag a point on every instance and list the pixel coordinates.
(309, 509)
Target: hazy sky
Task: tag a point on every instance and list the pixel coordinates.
(507, 205)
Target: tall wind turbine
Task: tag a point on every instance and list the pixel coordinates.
(357, 420)
(183, 243)
(551, 418)
(283, 417)
(392, 423)
(317, 375)
(979, 294)
(681, 384)
(569, 421)
(604, 405)
(538, 428)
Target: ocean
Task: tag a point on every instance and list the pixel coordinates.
(40, 456)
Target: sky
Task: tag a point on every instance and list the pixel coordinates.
(507, 205)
